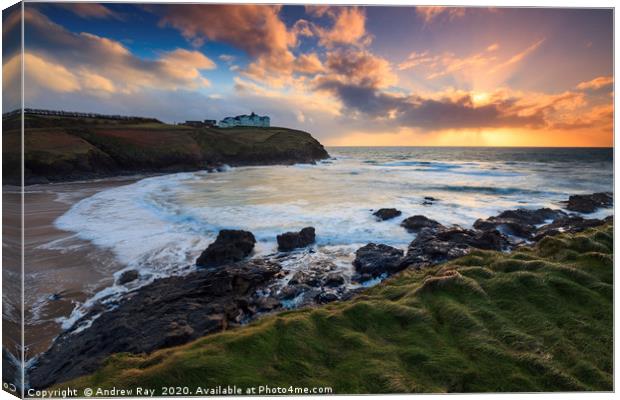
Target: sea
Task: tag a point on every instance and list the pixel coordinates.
(159, 225)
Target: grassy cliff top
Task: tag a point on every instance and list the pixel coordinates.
(57, 148)
(538, 319)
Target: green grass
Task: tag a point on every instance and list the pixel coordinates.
(538, 319)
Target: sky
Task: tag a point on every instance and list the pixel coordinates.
(351, 76)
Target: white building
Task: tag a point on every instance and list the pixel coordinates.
(245, 120)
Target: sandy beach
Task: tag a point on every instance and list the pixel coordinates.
(61, 269)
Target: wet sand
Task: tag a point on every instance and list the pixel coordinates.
(60, 269)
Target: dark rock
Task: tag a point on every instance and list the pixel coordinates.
(570, 224)
(128, 276)
(588, 203)
(230, 246)
(291, 291)
(532, 217)
(431, 247)
(386, 213)
(334, 279)
(309, 278)
(168, 312)
(326, 297)
(293, 240)
(520, 222)
(429, 201)
(376, 259)
(418, 222)
(264, 304)
(177, 333)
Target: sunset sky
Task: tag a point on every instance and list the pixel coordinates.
(384, 76)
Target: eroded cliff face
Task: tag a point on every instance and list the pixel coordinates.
(63, 149)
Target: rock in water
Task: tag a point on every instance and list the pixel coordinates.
(520, 222)
(386, 213)
(230, 246)
(293, 240)
(128, 276)
(588, 203)
(417, 222)
(376, 259)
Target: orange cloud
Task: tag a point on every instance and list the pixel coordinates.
(520, 56)
(309, 64)
(62, 61)
(596, 83)
(258, 30)
(349, 28)
(448, 63)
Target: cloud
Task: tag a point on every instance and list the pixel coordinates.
(87, 62)
(360, 67)
(521, 55)
(430, 13)
(89, 10)
(309, 64)
(493, 47)
(413, 111)
(349, 27)
(256, 29)
(598, 83)
(448, 63)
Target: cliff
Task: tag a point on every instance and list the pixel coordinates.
(62, 149)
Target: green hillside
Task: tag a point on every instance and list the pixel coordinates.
(538, 319)
(60, 149)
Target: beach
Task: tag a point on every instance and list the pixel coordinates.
(58, 278)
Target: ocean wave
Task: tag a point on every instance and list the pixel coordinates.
(490, 190)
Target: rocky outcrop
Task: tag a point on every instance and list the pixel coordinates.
(293, 240)
(418, 222)
(168, 312)
(374, 260)
(569, 224)
(230, 246)
(436, 245)
(533, 225)
(386, 213)
(521, 223)
(588, 203)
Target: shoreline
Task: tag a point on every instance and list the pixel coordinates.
(69, 273)
(142, 174)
